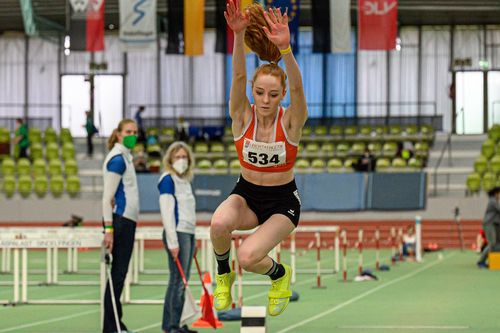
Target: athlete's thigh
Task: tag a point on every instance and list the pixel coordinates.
(235, 212)
(269, 234)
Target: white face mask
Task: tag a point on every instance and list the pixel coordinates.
(181, 165)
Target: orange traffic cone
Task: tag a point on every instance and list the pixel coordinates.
(208, 315)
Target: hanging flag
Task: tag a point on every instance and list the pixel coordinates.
(86, 25)
(175, 26)
(293, 8)
(320, 17)
(229, 33)
(194, 27)
(340, 26)
(378, 26)
(220, 26)
(138, 25)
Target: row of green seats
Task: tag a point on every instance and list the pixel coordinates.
(40, 185)
(50, 136)
(317, 163)
(52, 151)
(476, 181)
(364, 130)
(39, 167)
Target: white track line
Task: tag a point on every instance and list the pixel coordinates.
(410, 327)
(43, 322)
(360, 296)
(158, 324)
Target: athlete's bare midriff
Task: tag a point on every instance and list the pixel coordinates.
(267, 178)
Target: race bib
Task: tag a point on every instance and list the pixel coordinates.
(263, 154)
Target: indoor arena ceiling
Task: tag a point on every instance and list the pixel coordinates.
(411, 12)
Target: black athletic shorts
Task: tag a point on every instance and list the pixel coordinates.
(266, 201)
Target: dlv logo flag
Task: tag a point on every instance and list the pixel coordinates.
(293, 7)
(138, 24)
(377, 24)
(87, 25)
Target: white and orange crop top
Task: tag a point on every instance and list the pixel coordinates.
(276, 156)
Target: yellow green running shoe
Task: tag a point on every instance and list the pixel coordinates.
(279, 294)
(222, 293)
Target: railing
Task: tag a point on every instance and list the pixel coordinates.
(447, 145)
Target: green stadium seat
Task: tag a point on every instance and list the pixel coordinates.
(395, 130)
(231, 148)
(154, 165)
(234, 165)
(389, 149)
(312, 147)
(427, 130)
(203, 164)
(411, 130)
(382, 164)
(342, 149)
(473, 183)
(381, 130)
(24, 185)
(365, 130)
(228, 131)
(68, 151)
(334, 165)
(152, 131)
(350, 131)
(481, 165)
(358, 148)
(495, 164)
(50, 135)
(422, 149)
(23, 166)
(415, 163)
(220, 164)
(320, 130)
(217, 147)
(488, 148)
(39, 167)
(55, 167)
(4, 142)
(328, 148)
(9, 186)
(488, 181)
(348, 162)
(52, 151)
(70, 167)
(168, 131)
(66, 136)
(306, 131)
(336, 131)
(201, 148)
(494, 133)
(34, 135)
(73, 186)
(8, 166)
(41, 185)
(375, 148)
(318, 164)
(57, 185)
(302, 164)
(36, 151)
(398, 163)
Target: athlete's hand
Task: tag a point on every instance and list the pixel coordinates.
(278, 32)
(236, 20)
(108, 241)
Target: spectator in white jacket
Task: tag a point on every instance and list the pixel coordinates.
(178, 213)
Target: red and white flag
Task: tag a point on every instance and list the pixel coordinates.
(377, 24)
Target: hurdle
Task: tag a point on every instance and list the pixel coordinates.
(418, 240)
(344, 254)
(377, 249)
(360, 251)
(318, 261)
(393, 245)
(253, 319)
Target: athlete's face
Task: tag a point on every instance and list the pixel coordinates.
(267, 94)
(179, 155)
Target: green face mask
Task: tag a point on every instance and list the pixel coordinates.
(129, 141)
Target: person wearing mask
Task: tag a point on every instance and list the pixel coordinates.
(120, 211)
(178, 214)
